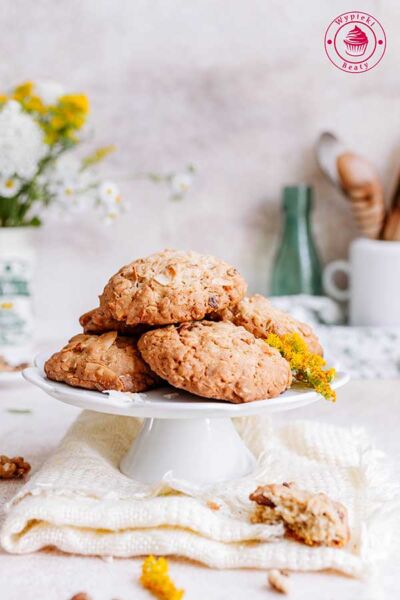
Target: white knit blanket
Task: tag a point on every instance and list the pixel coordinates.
(81, 503)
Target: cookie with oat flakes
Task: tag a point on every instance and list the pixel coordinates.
(257, 315)
(171, 287)
(104, 362)
(216, 360)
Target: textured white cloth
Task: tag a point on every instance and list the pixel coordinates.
(81, 503)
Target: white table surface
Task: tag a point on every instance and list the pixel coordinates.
(53, 576)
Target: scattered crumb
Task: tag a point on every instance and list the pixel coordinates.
(126, 397)
(278, 581)
(6, 367)
(81, 596)
(213, 505)
(285, 572)
(107, 559)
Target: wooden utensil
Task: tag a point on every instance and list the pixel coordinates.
(362, 185)
(357, 179)
(391, 228)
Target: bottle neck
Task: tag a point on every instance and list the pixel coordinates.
(297, 223)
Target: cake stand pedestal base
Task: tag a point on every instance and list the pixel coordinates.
(202, 450)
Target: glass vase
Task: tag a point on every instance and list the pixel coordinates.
(297, 268)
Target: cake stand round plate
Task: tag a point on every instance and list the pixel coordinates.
(183, 436)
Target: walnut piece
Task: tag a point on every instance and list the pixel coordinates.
(313, 519)
(13, 468)
(278, 581)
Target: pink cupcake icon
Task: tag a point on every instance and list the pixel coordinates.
(356, 42)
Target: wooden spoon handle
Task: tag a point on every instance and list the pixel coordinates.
(391, 230)
(362, 186)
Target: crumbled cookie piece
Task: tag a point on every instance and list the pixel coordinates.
(104, 362)
(278, 581)
(13, 468)
(81, 596)
(216, 360)
(171, 287)
(311, 518)
(257, 315)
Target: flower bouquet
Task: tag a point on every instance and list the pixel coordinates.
(39, 126)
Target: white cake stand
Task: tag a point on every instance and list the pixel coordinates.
(183, 436)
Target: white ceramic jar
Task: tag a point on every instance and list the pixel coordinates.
(17, 264)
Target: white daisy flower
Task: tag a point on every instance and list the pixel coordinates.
(181, 183)
(110, 217)
(21, 143)
(73, 190)
(9, 187)
(109, 195)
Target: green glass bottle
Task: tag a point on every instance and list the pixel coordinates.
(297, 268)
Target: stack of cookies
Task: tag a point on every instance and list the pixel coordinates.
(180, 318)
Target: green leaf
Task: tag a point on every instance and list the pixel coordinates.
(34, 222)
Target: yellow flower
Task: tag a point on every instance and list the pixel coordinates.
(24, 94)
(77, 102)
(23, 90)
(3, 98)
(155, 578)
(51, 137)
(65, 118)
(306, 366)
(33, 104)
(6, 305)
(57, 122)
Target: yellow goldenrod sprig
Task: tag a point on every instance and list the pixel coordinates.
(156, 579)
(306, 366)
(66, 117)
(28, 99)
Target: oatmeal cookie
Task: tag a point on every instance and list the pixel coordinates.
(171, 287)
(314, 519)
(99, 320)
(216, 360)
(105, 362)
(260, 317)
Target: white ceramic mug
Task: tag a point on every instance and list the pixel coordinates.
(373, 272)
